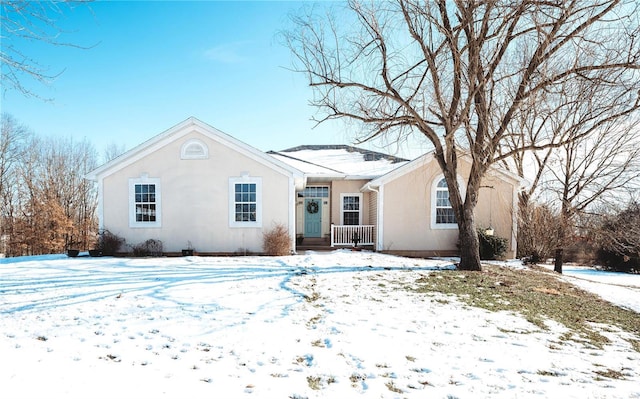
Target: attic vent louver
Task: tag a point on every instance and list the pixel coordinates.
(194, 149)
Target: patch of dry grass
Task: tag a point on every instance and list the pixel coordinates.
(320, 382)
(538, 295)
(611, 374)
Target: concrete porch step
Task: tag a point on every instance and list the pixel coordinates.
(317, 244)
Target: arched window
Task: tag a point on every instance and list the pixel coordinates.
(442, 214)
(194, 149)
(444, 210)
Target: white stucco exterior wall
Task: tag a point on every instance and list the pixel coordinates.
(195, 198)
(406, 203)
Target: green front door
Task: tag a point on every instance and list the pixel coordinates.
(312, 217)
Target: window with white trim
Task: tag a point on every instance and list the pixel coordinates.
(442, 213)
(351, 209)
(315, 192)
(245, 202)
(444, 210)
(144, 202)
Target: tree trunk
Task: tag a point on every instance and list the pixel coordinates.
(469, 247)
(558, 262)
(565, 217)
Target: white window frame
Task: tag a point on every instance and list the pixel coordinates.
(132, 202)
(232, 201)
(342, 197)
(434, 200)
(303, 192)
(186, 154)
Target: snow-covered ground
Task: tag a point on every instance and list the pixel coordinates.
(318, 325)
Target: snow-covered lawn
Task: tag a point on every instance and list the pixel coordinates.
(333, 325)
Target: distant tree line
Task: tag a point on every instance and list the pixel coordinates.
(47, 204)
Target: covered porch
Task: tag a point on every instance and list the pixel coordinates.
(341, 236)
(334, 214)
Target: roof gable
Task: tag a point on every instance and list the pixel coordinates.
(427, 158)
(183, 128)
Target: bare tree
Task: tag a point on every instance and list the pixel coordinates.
(590, 171)
(62, 165)
(457, 73)
(47, 205)
(13, 140)
(592, 152)
(113, 150)
(27, 21)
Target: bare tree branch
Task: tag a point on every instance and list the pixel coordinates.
(24, 21)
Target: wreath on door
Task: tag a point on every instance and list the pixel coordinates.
(312, 207)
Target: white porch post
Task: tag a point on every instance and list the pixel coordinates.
(332, 237)
(292, 212)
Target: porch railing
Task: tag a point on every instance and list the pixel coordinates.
(344, 235)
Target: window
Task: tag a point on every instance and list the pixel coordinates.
(245, 203)
(442, 214)
(194, 149)
(144, 202)
(318, 192)
(444, 210)
(351, 209)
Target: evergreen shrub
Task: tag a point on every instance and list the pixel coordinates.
(491, 246)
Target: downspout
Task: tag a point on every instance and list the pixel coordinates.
(100, 204)
(380, 227)
(295, 185)
(292, 214)
(380, 218)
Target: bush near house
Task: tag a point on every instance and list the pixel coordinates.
(277, 242)
(491, 246)
(109, 244)
(150, 247)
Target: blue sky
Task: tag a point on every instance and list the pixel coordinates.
(150, 65)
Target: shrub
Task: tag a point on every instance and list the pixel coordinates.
(614, 261)
(277, 242)
(538, 232)
(491, 246)
(150, 247)
(108, 243)
(618, 240)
